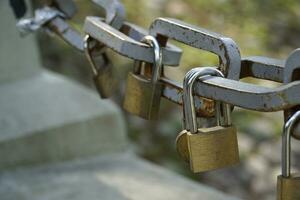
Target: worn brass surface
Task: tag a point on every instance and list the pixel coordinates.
(288, 188)
(182, 146)
(142, 97)
(105, 82)
(209, 149)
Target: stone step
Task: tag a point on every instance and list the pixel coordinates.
(49, 118)
(45, 117)
(108, 177)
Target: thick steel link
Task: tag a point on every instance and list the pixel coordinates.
(292, 73)
(225, 48)
(263, 68)
(54, 18)
(126, 45)
(250, 96)
(115, 12)
(68, 7)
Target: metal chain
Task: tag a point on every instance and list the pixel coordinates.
(125, 41)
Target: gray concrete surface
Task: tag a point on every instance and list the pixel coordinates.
(49, 118)
(110, 177)
(45, 117)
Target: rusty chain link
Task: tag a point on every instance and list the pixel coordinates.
(124, 37)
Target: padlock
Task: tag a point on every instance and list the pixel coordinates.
(288, 185)
(143, 95)
(104, 78)
(211, 148)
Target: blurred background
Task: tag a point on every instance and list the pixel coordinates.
(260, 27)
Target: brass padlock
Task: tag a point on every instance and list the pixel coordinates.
(104, 78)
(143, 95)
(288, 185)
(211, 148)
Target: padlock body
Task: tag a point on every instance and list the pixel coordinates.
(182, 146)
(105, 82)
(142, 97)
(288, 188)
(212, 148)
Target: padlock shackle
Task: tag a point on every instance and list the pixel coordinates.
(225, 107)
(190, 119)
(286, 143)
(87, 50)
(157, 62)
